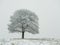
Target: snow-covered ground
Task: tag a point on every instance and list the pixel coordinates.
(32, 42)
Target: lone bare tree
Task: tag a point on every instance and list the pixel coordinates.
(24, 20)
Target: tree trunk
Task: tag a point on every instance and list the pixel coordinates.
(22, 34)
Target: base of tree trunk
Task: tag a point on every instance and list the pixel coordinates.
(22, 34)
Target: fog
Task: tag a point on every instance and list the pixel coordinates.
(48, 12)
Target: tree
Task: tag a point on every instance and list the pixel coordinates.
(24, 20)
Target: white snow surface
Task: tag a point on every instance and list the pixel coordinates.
(32, 42)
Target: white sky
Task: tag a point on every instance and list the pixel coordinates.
(48, 12)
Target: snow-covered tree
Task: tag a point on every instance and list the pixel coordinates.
(24, 20)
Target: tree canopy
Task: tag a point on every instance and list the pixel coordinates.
(24, 20)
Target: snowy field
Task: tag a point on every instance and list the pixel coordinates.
(31, 42)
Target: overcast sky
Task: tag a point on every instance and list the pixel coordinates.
(48, 12)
